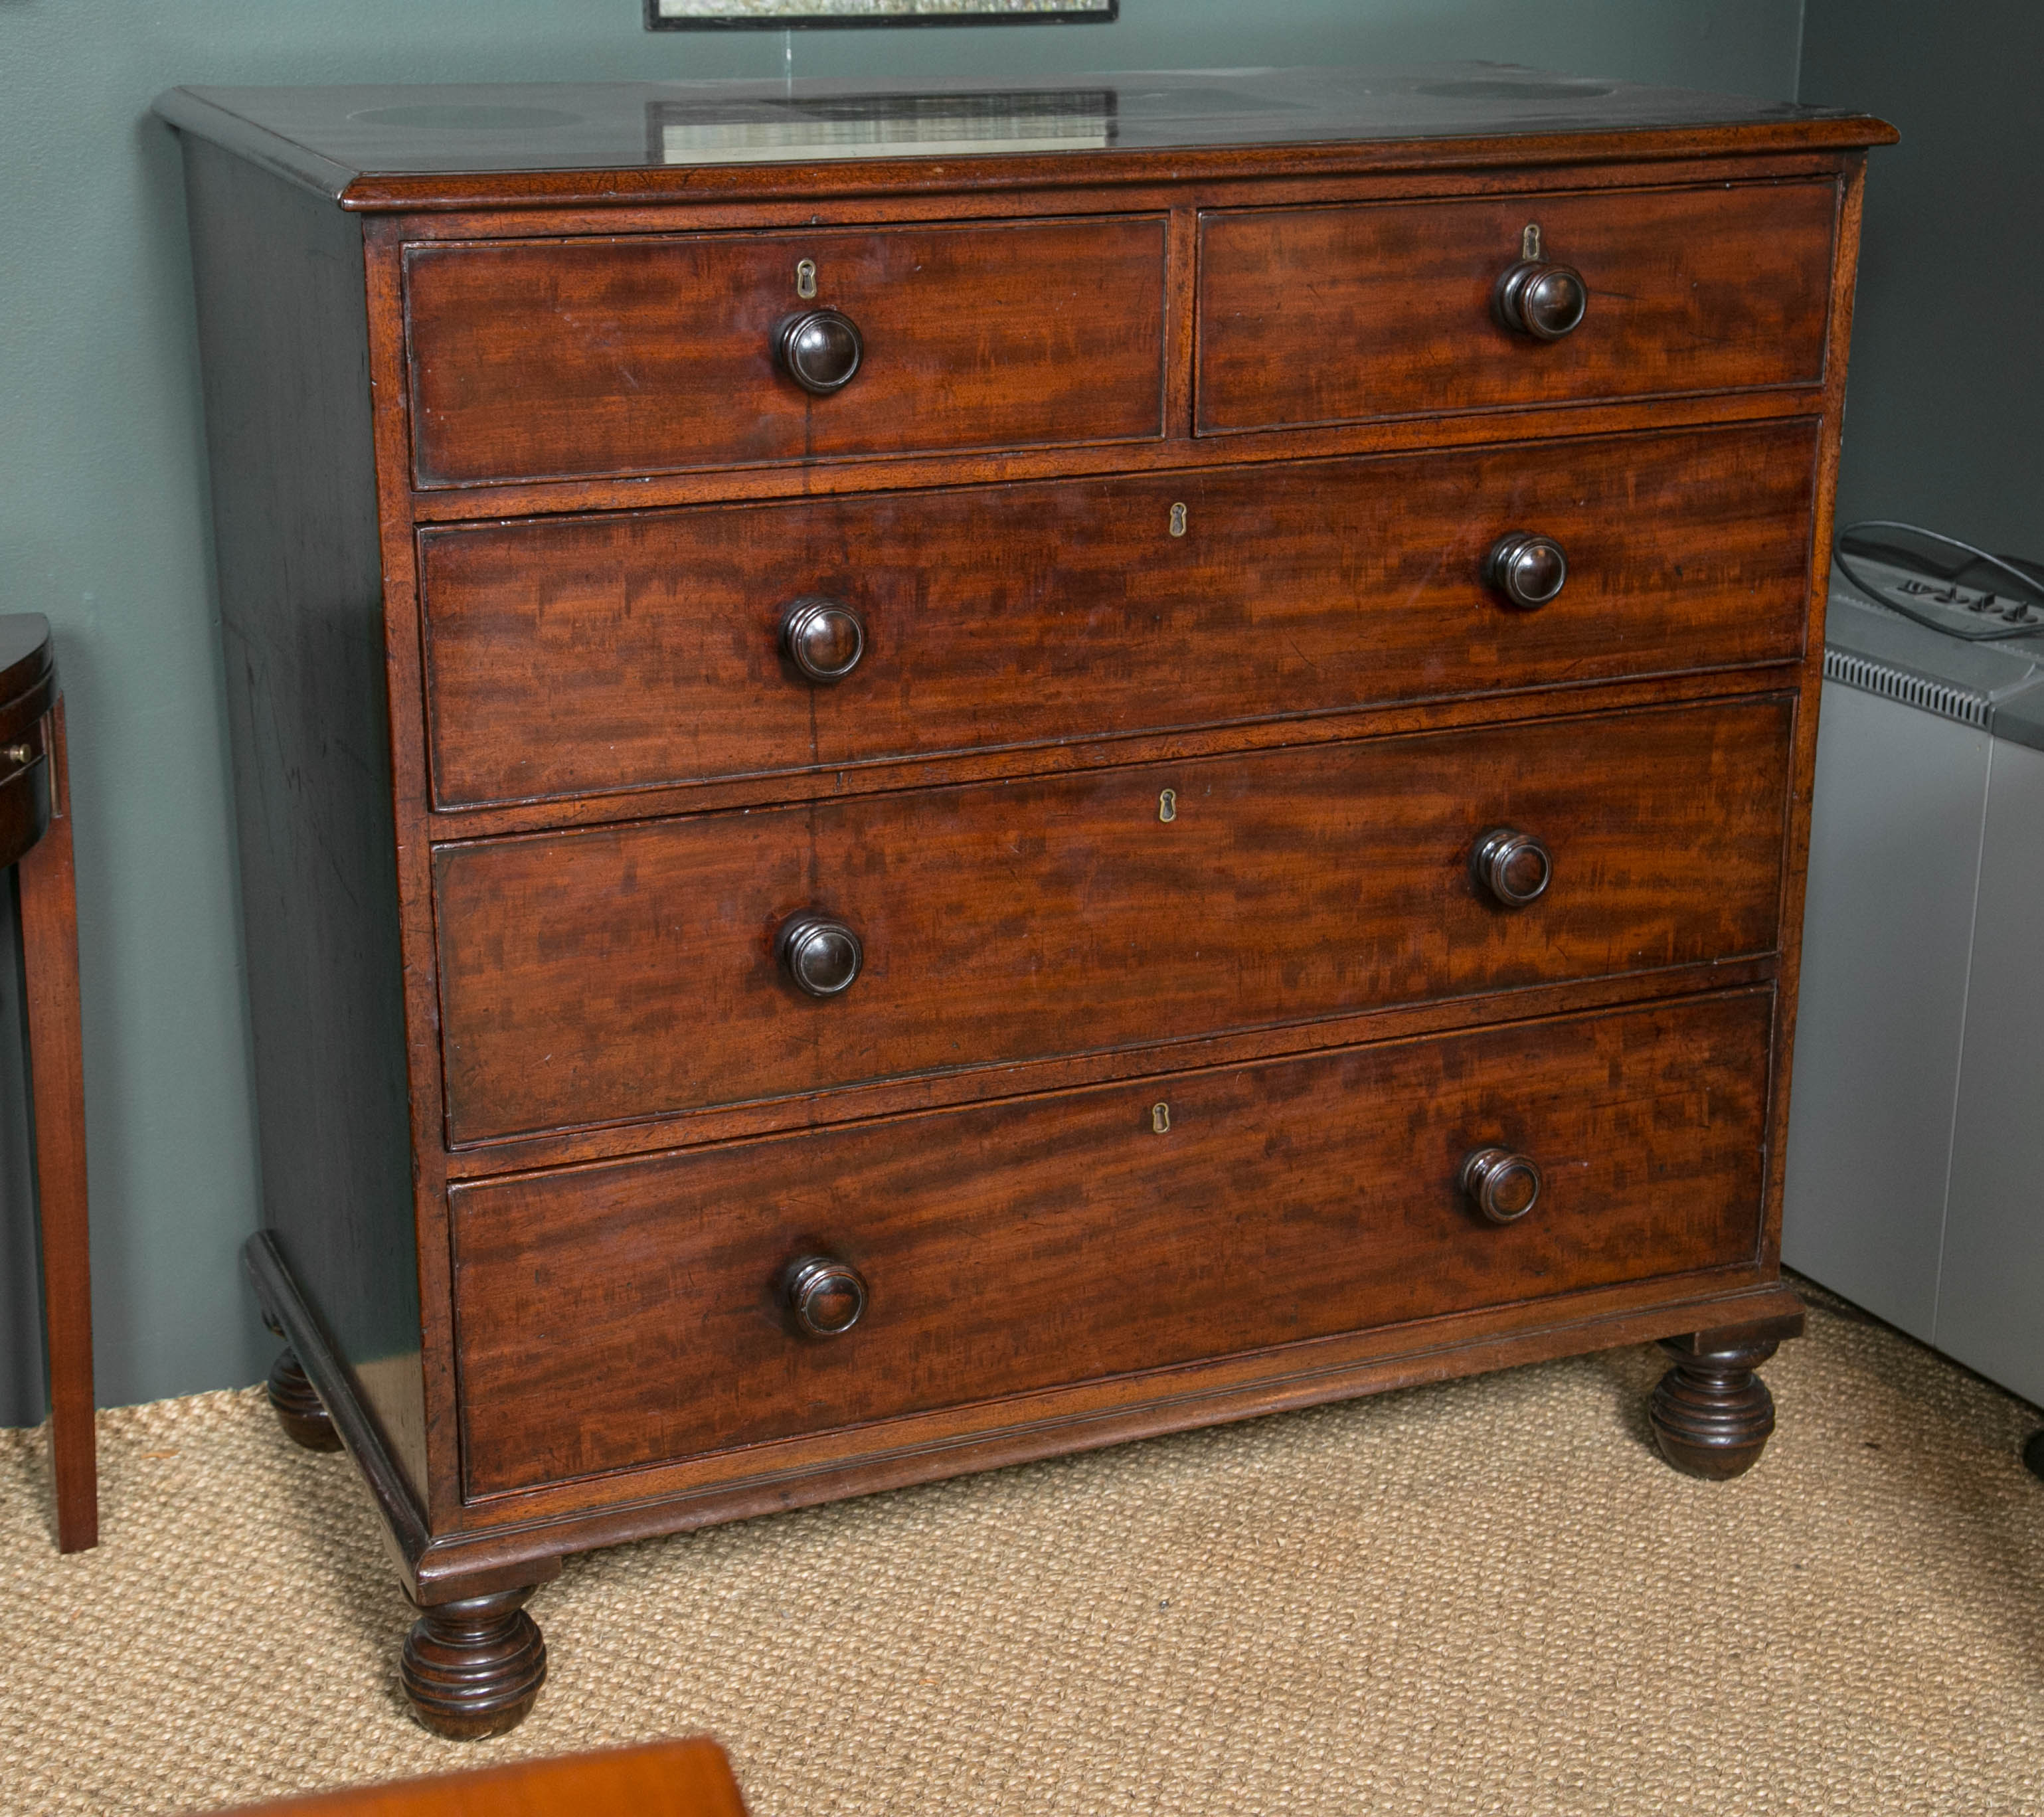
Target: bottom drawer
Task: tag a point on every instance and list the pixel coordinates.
(637, 1312)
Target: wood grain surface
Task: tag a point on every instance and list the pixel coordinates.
(622, 142)
(352, 146)
(614, 1316)
(27, 693)
(581, 654)
(1328, 315)
(687, 1778)
(576, 365)
(634, 354)
(47, 914)
(595, 977)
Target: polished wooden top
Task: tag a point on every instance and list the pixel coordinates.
(28, 675)
(387, 147)
(667, 1779)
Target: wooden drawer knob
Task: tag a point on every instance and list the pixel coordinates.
(1542, 300)
(1502, 1186)
(820, 953)
(1514, 867)
(826, 1297)
(1528, 570)
(824, 637)
(820, 350)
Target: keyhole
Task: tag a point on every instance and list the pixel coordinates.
(1178, 520)
(805, 277)
(1167, 805)
(1529, 240)
(1160, 1118)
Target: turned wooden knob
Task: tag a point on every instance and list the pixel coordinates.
(1514, 867)
(820, 350)
(826, 1297)
(1540, 299)
(1528, 570)
(1504, 1186)
(820, 954)
(823, 638)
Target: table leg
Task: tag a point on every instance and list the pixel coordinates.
(49, 964)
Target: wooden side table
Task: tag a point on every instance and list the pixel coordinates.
(667, 1779)
(35, 838)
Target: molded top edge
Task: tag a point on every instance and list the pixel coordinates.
(388, 146)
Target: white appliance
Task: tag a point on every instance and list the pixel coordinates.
(1916, 1163)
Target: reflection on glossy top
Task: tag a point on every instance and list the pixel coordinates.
(425, 130)
(757, 129)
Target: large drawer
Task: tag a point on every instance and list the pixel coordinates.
(563, 359)
(626, 972)
(1330, 315)
(622, 1314)
(578, 655)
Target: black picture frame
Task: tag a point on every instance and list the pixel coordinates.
(1103, 14)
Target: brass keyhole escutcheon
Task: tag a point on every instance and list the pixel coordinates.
(1529, 240)
(805, 277)
(1167, 805)
(1160, 1119)
(1178, 520)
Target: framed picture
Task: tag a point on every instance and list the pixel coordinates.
(781, 15)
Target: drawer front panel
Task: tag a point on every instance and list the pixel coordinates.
(630, 972)
(579, 655)
(577, 358)
(624, 1314)
(1342, 314)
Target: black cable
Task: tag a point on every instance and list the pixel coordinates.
(2027, 585)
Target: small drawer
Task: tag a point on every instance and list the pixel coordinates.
(629, 972)
(577, 358)
(621, 1315)
(573, 656)
(1335, 315)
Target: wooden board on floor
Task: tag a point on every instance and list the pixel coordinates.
(668, 1779)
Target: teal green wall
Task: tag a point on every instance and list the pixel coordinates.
(1945, 403)
(104, 514)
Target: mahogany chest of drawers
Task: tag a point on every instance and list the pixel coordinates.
(930, 777)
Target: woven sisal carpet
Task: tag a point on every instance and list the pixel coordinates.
(1487, 1596)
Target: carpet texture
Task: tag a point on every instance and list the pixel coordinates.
(1485, 1597)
